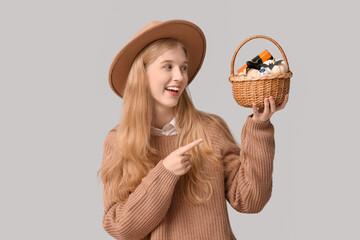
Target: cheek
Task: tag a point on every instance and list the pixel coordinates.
(151, 77)
(156, 88)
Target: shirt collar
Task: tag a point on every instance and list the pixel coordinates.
(168, 129)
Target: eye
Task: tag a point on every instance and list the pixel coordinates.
(184, 68)
(168, 67)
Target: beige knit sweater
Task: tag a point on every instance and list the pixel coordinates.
(156, 209)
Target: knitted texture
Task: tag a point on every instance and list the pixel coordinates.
(157, 210)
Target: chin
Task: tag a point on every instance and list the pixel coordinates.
(171, 105)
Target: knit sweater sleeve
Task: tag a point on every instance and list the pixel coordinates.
(248, 171)
(145, 207)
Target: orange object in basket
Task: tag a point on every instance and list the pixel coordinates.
(262, 57)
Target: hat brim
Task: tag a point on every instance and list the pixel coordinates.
(188, 33)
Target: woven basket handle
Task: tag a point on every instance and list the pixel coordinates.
(251, 38)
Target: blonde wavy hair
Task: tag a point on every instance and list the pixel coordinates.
(122, 170)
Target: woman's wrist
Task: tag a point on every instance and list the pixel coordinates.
(256, 119)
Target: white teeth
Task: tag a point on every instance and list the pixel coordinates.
(173, 88)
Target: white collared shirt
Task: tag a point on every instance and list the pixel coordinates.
(167, 130)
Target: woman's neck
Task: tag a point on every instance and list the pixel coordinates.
(162, 117)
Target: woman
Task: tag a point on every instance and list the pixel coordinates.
(167, 167)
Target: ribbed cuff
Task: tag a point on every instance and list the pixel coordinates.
(164, 173)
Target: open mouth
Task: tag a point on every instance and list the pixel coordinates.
(173, 91)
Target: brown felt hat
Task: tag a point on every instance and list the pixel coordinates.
(186, 32)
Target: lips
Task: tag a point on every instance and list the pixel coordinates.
(172, 92)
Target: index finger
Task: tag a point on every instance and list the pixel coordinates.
(189, 146)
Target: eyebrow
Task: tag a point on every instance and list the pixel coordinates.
(171, 61)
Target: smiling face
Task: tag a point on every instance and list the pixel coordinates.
(168, 78)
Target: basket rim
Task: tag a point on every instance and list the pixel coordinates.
(240, 78)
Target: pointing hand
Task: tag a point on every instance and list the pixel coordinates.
(178, 161)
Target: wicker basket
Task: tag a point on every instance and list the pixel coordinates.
(248, 90)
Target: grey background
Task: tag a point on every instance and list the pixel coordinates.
(57, 107)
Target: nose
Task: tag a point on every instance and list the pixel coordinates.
(179, 75)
